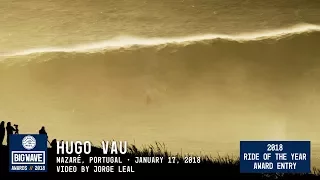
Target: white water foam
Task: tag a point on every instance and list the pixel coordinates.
(129, 41)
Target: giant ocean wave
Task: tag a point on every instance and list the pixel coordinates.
(259, 79)
(284, 52)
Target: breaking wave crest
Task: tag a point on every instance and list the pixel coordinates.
(129, 41)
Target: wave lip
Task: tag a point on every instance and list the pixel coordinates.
(129, 41)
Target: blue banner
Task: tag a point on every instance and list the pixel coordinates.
(275, 156)
(28, 153)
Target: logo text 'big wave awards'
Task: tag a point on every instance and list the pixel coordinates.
(28, 153)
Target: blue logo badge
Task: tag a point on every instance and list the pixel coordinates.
(28, 153)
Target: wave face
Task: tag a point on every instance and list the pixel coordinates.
(239, 87)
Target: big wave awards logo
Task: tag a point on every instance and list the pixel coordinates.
(28, 153)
